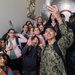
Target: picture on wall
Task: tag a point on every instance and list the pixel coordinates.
(31, 9)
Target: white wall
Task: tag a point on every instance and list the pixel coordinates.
(15, 10)
(65, 5)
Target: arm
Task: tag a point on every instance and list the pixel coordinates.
(22, 39)
(11, 25)
(27, 46)
(24, 50)
(67, 37)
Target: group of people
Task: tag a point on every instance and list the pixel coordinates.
(40, 48)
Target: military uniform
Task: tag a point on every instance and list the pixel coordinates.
(51, 62)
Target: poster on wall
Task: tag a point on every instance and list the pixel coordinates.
(31, 9)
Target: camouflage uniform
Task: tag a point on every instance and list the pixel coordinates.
(51, 63)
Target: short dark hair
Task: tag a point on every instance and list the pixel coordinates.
(32, 38)
(24, 25)
(5, 57)
(30, 24)
(27, 22)
(10, 30)
(0, 43)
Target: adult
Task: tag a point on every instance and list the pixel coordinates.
(51, 62)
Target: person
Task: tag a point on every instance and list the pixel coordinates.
(30, 25)
(4, 37)
(51, 62)
(53, 22)
(27, 22)
(41, 37)
(72, 18)
(2, 44)
(71, 49)
(25, 30)
(41, 27)
(3, 67)
(13, 49)
(37, 21)
(62, 16)
(32, 52)
(31, 32)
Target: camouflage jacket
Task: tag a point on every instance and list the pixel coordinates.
(51, 62)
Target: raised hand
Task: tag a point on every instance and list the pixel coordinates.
(8, 48)
(10, 22)
(55, 11)
(29, 42)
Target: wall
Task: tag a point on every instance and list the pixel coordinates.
(65, 5)
(62, 5)
(16, 11)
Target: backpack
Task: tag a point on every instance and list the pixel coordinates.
(58, 51)
(8, 69)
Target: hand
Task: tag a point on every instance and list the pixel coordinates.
(29, 42)
(17, 34)
(14, 47)
(55, 11)
(9, 48)
(10, 22)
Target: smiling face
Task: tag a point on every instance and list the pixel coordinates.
(1, 61)
(2, 43)
(35, 41)
(39, 19)
(36, 31)
(11, 33)
(50, 33)
(41, 27)
(25, 28)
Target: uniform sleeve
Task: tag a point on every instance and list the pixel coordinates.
(67, 37)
